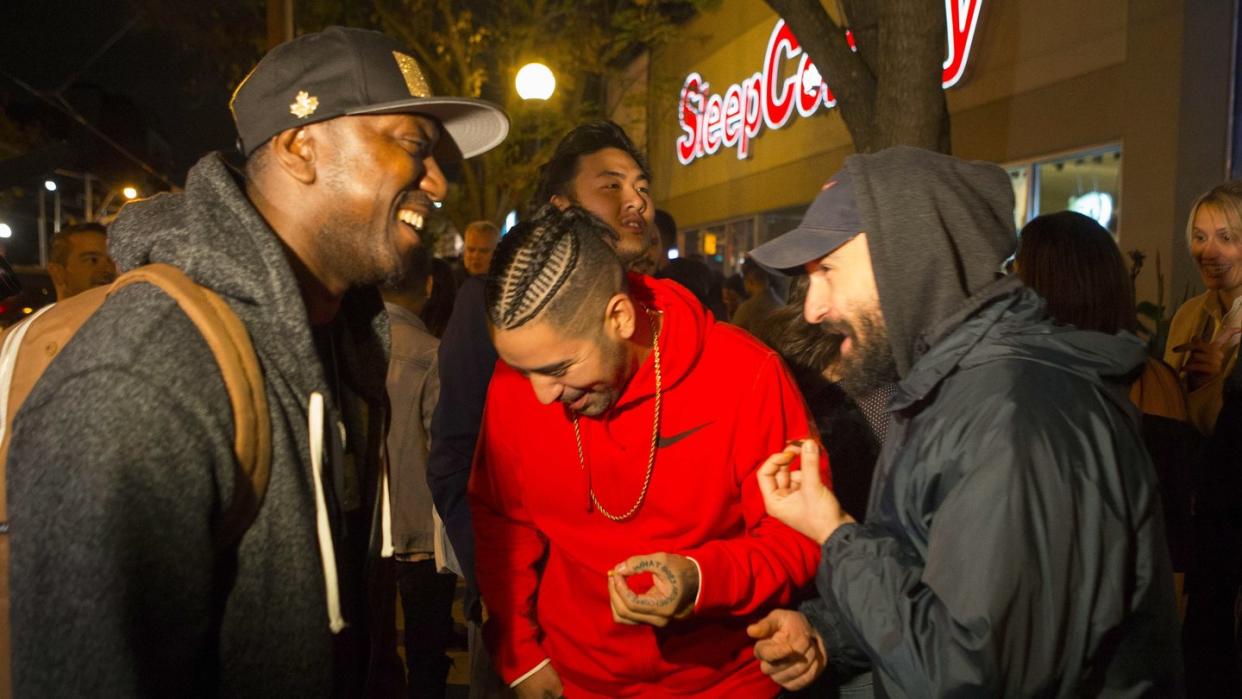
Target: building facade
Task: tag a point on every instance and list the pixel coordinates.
(1117, 108)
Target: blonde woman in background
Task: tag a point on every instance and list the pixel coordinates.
(1203, 337)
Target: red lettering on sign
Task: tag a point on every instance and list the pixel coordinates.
(961, 19)
(688, 116)
(712, 127)
(752, 114)
(768, 98)
(778, 99)
(732, 115)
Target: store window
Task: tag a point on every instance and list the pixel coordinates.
(1088, 182)
(721, 245)
(724, 245)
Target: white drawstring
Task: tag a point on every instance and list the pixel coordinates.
(327, 550)
(386, 550)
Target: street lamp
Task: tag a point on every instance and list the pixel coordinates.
(130, 193)
(535, 82)
(48, 186)
(6, 231)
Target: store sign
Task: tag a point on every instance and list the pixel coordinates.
(732, 118)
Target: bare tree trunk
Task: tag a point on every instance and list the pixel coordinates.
(889, 91)
(910, 105)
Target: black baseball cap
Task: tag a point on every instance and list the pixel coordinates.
(342, 71)
(829, 223)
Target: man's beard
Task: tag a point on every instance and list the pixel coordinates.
(356, 259)
(870, 363)
(355, 253)
(633, 259)
(614, 358)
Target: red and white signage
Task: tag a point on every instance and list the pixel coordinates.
(732, 118)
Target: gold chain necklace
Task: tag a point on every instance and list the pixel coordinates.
(655, 437)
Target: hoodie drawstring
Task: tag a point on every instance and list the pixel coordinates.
(386, 548)
(327, 549)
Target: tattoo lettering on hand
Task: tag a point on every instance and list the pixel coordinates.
(658, 568)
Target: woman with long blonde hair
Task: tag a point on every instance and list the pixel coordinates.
(1203, 337)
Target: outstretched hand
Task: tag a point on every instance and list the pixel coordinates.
(799, 498)
(789, 650)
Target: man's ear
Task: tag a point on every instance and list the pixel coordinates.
(560, 201)
(620, 317)
(294, 151)
(57, 272)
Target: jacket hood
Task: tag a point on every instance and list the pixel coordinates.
(1007, 321)
(938, 228)
(683, 334)
(213, 233)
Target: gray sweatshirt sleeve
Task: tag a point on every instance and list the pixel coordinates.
(113, 496)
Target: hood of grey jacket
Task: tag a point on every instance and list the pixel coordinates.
(938, 229)
(220, 241)
(1009, 315)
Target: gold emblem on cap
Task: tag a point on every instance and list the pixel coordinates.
(415, 82)
(303, 105)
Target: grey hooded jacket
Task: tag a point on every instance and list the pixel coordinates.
(1014, 543)
(121, 465)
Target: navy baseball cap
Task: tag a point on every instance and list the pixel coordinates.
(830, 222)
(342, 71)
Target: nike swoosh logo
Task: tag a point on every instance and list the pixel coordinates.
(670, 441)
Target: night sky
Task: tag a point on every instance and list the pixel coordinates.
(151, 92)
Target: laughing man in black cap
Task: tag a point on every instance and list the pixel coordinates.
(121, 462)
(1013, 544)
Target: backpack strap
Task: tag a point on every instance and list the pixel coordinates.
(226, 335)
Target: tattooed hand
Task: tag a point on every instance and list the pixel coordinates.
(675, 584)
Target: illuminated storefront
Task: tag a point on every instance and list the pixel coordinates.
(1091, 106)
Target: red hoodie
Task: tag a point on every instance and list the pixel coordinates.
(728, 403)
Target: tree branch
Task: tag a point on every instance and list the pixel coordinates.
(852, 81)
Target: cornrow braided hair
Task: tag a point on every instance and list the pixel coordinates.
(535, 260)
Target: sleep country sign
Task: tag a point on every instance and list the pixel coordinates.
(712, 121)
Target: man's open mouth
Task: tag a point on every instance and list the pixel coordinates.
(411, 218)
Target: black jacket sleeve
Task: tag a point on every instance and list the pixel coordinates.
(1013, 556)
(467, 359)
(845, 658)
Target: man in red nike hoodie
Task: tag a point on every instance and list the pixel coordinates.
(622, 543)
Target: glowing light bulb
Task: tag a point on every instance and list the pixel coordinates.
(535, 82)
